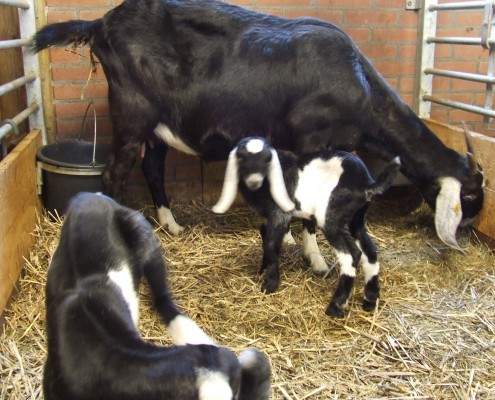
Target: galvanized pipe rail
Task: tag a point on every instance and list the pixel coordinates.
(34, 109)
(429, 39)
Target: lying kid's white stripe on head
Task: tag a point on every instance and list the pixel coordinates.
(316, 182)
(255, 145)
(345, 261)
(213, 385)
(183, 330)
(123, 279)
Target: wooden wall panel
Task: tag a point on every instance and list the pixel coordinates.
(19, 206)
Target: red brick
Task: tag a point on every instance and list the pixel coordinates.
(65, 55)
(80, 3)
(73, 73)
(284, 3)
(390, 4)
(371, 50)
(77, 109)
(333, 16)
(387, 35)
(408, 51)
(366, 17)
(344, 3)
(60, 16)
(90, 15)
(359, 34)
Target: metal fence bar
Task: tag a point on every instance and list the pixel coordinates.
(34, 111)
(17, 83)
(24, 4)
(10, 44)
(471, 5)
(472, 41)
(22, 116)
(487, 41)
(460, 75)
(461, 106)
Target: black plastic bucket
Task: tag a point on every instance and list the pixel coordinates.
(67, 169)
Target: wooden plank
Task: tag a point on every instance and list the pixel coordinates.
(19, 205)
(46, 78)
(484, 148)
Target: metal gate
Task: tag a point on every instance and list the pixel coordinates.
(34, 109)
(429, 39)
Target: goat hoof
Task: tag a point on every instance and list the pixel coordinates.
(369, 305)
(269, 287)
(334, 311)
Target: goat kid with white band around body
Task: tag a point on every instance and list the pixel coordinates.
(95, 351)
(328, 189)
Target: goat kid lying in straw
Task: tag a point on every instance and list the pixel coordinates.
(328, 189)
(95, 351)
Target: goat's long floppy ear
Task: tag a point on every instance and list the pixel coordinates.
(277, 184)
(230, 184)
(448, 211)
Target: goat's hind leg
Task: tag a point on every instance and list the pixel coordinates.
(371, 269)
(348, 256)
(153, 168)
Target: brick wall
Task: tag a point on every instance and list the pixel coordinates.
(383, 29)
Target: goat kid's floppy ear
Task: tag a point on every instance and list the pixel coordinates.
(277, 184)
(448, 211)
(230, 184)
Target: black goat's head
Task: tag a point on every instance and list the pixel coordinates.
(253, 160)
(459, 199)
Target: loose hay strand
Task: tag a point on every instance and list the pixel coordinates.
(432, 336)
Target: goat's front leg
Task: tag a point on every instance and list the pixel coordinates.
(272, 236)
(182, 329)
(154, 172)
(311, 252)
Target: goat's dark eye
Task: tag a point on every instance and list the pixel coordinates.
(469, 197)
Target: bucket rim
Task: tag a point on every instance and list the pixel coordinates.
(57, 163)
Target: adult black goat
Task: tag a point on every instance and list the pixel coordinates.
(199, 75)
(94, 348)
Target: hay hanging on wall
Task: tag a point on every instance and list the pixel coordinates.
(432, 337)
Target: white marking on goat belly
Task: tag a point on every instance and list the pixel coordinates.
(183, 330)
(317, 180)
(123, 279)
(163, 132)
(213, 385)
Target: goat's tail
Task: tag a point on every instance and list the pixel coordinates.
(255, 379)
(74, 32)
(384, 180)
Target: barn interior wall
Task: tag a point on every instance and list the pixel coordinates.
(384, 30)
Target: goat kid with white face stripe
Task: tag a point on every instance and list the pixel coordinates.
(328, 189)
(94, 348)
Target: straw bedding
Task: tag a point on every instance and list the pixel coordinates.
(432, 336)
